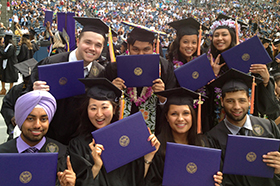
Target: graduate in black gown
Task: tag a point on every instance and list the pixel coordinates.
(179, 125)
(98, 111)
(236, 102)
(9, 100)
(89, 47)
(26, 49)
(140, 42)
(33, 113)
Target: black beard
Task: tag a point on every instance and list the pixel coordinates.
(230, 116)
(31, 140)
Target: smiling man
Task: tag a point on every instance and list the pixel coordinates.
(141, 42)
(236, 102)
(90, 44)
(33, 113)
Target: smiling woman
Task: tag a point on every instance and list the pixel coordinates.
(98, 111)
(185, 46)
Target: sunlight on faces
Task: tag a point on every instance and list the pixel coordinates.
(179, 118)
(100, 113)
(188, 45)
(140, 48)
(236, 105)
(221, 39)
(89, 47)
(35, 127)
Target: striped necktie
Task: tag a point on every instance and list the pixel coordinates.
(31, 150)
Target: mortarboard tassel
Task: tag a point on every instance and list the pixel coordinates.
(236, 32)
(157, 49)
(68, 47)
(122, 102)
(111, 48)
(200, 102)
(199, 40)
(252, 96)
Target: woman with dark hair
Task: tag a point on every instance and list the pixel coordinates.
(223, 38)
(99, 111)
(26, 49)
(179, 125)
(184, 48)
(10, 74)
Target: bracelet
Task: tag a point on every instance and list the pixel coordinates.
(147, 162)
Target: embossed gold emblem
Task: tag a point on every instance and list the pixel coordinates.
(138, 71)
(94, 71)
(258, 130)
(63, 81)
(251, 156)
(52, 147)
(245, 57)
(124, 141)
(25, 177)
(195, 75)
(191, 168)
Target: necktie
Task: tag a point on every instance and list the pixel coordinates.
(31, 150)
(85, 72)
(242, 131)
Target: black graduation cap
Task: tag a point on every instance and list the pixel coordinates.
(142, 33)
(234, 80)
(26, 66)
(101, 89)
(93, 25)
(225, 17)
(32, 32)
(64, 36)
(8, 36)
(180, 96)
(187, 26)
(25, 36)
(265, 40)
(276, 42)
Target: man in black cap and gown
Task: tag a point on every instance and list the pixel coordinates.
(90, 44)
(236, 103)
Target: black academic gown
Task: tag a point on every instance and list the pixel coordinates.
(10, 74)
(131, 174)
(67, 117)
(9, 101)
(10, 147)
(218, 139)
(167, 76)
(25, 53)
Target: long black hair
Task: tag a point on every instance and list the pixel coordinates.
(85, 126)
(166, 131)
(174, 51)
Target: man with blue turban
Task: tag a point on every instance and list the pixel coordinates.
(33, 113)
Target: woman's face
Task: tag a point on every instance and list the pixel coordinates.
(221, 39)
(179, 118)
(100, 113)
(188, 45)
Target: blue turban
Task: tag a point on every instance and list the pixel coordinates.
(27, 102)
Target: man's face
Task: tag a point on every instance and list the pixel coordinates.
(35, 127)
(115, 39)
(140, 48)
(89, 47)
(236, 105)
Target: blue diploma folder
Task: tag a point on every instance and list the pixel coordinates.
(63, 78)
(195, 74)
(124, 141)
(28, 169)
(243, 55)
(244, 155)
(190, 165)
(138, 70)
